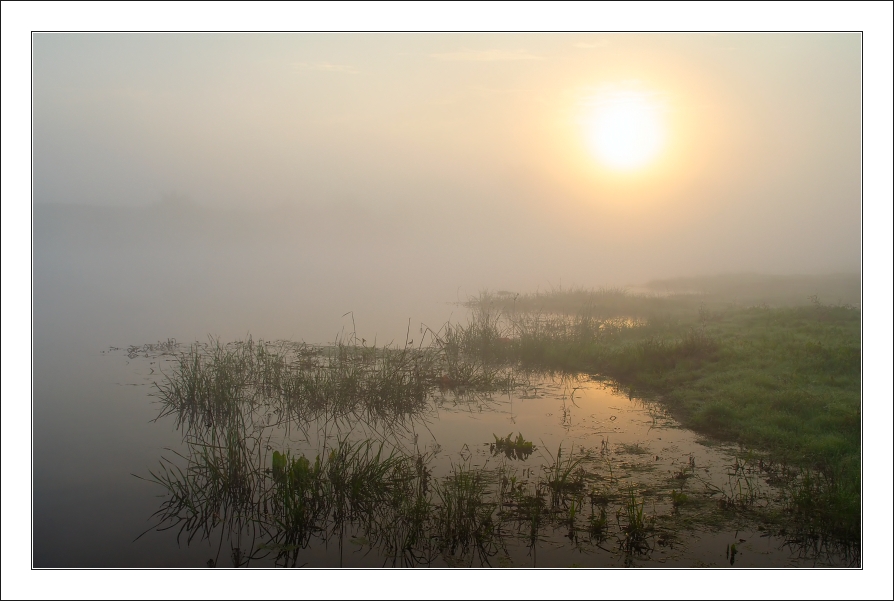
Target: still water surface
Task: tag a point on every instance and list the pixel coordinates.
(95, 430)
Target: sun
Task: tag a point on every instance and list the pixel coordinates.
(625, 128)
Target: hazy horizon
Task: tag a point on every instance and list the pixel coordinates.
(485, 138)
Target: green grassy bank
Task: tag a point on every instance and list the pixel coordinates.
(782, 380)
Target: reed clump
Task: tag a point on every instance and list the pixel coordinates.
(217, 382)
(821, 500)
(233, 483)
(299, 383)
(635, 527)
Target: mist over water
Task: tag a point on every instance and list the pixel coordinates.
(115, 277)
(307, 188)
(129, 275)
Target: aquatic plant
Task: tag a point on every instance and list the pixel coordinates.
(465, 514)
(598, 524)
(635, 529)
(562, 477)
(742, 489)
(820, 501)
(519, 448)
(216, 382)
(679, 498)
(731, 551)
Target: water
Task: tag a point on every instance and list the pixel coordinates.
(94, 431)
(104, 283)
(111, 279)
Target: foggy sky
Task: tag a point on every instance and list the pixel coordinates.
(475, 138)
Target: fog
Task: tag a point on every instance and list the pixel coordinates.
(194, 184)
(302, 186)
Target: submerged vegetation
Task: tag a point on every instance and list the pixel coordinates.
(277, 503)
(782, 381)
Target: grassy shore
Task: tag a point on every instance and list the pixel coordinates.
(784, 380)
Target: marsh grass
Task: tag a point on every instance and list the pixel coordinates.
(284, 502)
(523, 504)
(635, 528)
(598, 523)
(295, 383)
(168, 347)
(465, 513)
(564, 476)
(604, 303)
(821, 501)
(269, 502)
(234, 485)
(633, 449)
(742, 489)
(474, 357)
(784, 380)
(679, 498)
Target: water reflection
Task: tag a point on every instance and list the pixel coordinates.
(291, 451)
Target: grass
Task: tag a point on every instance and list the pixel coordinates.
(633, 449)
(296, 382)
(822, 501)
(679, 498)
(233, 485)
(470, 357)
(784, 380)
(564, 475)
(464, 517)
(598, 523)
(284, 501)
(635, 529)
(742, 489)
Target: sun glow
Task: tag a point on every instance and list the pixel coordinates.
(625, 128)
